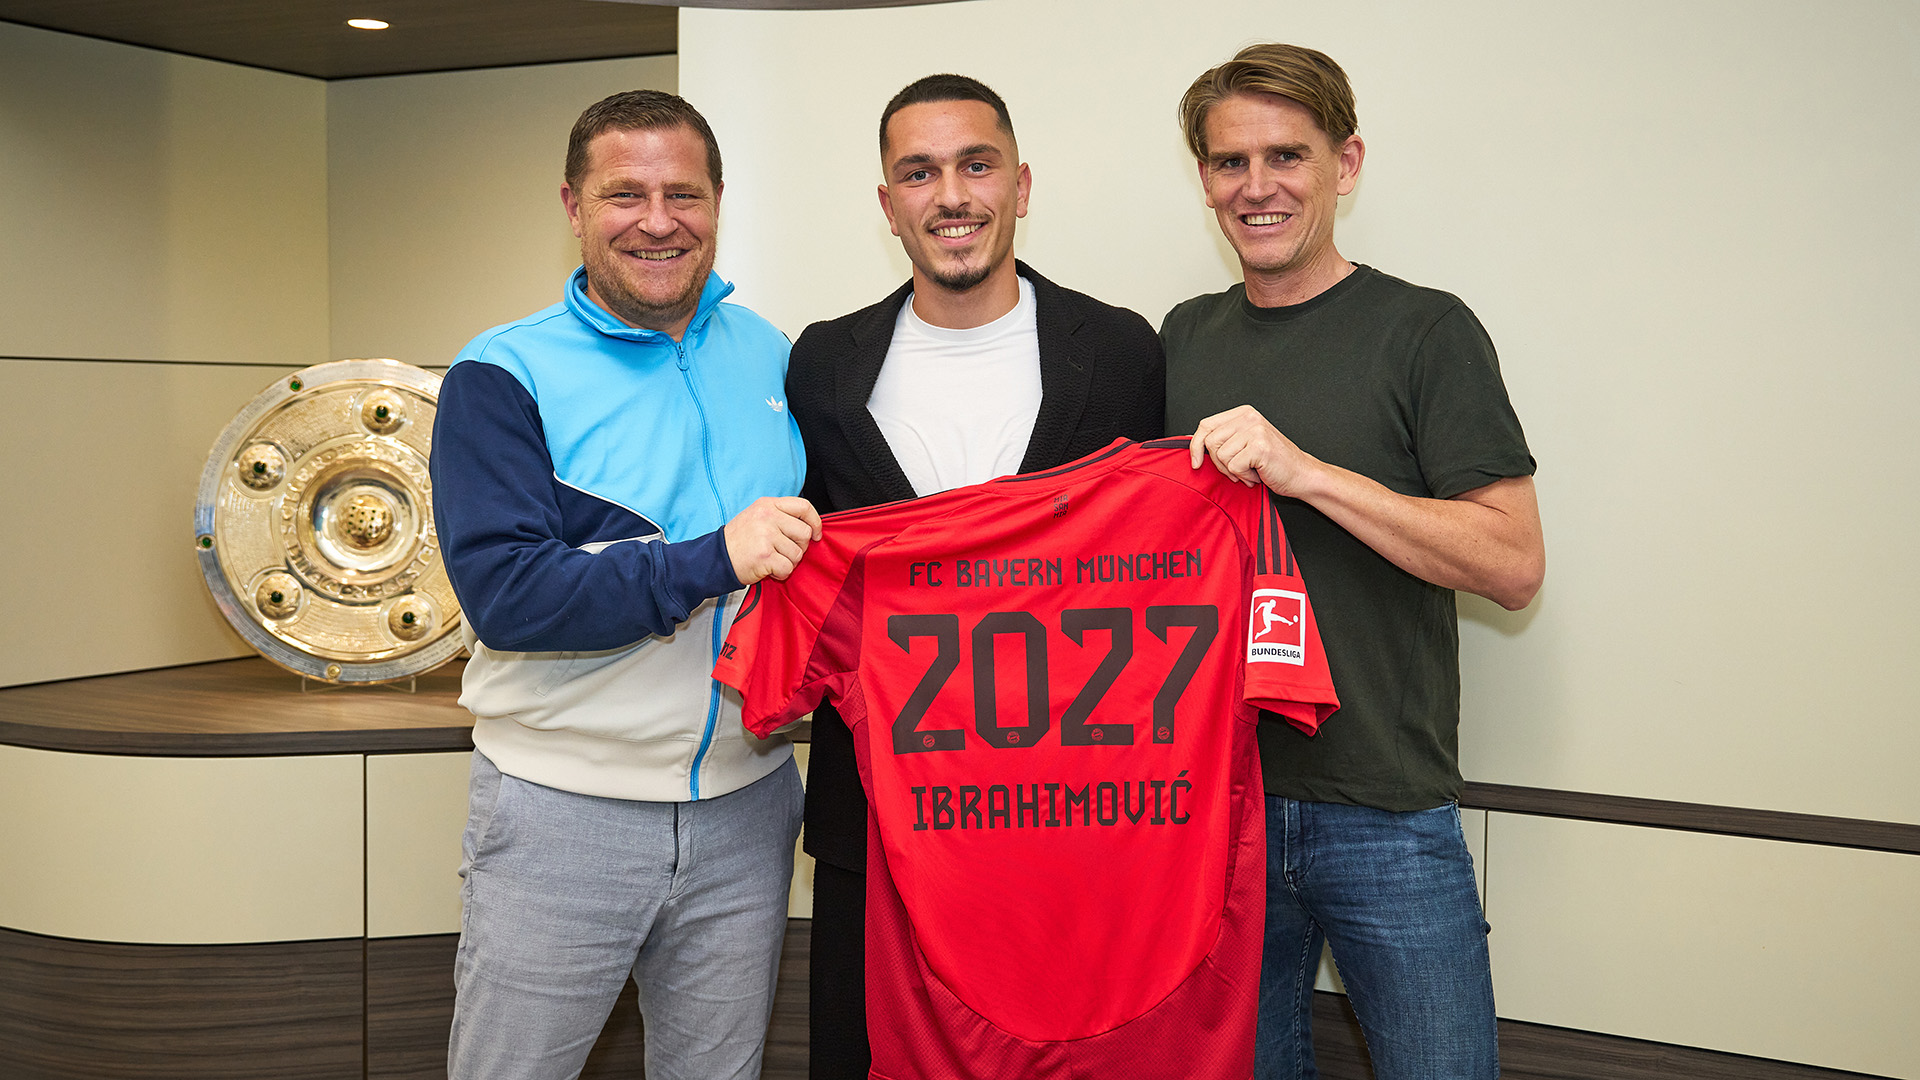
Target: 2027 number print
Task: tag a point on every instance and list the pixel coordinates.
(1075, 730)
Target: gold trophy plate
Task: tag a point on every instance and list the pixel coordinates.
(314, 525)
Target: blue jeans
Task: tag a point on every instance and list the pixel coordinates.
(567, 895)
(1395, 897)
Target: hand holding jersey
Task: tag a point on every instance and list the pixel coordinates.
(1485, 541)
(768, 538)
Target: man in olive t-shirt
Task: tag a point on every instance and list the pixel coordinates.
(1402, 476)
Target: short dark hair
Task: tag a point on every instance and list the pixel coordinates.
(637, 110)
(1295, 72)
(931, 88)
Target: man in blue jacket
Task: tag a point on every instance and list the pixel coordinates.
(608, 474)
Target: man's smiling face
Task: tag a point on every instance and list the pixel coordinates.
(954, 187)
(1274, 180)
(646, 213)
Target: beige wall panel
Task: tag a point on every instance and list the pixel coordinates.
(1776, 950)
(1715, 401)
(416, 811)
(155, 206)
(444, 192)
(97, 562)
(180, 850)
(800, 900)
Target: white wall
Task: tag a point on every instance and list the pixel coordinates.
(178, 233)
(136, 188)
(152, 208)
(1688, 226)
(444, 199)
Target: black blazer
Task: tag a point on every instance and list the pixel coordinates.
(1102, 377)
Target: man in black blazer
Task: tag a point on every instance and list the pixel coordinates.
(977, 367)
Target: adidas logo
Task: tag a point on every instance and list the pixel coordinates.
(777, 404)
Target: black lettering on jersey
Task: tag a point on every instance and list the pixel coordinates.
(1173, 796)
(999, 805)
(1118, 623)
(1205, 621)
(986, 704)
(969, 805)
(1075, 730)
(1079, 799)
(945, 631)
(1022, 805)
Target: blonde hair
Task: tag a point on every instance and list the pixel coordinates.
(1307, 76)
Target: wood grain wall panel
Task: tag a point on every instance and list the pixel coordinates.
(1538, 1052)
(410, 1008)
(786, 1054)
(1697, 817)
(410, 1011)
(620, 1052)
(244, 707)
(78, 1010)
(72, 1010)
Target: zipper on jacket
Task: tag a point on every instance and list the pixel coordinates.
(713, 695)
(720, 606)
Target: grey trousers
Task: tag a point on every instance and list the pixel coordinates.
(565, 895)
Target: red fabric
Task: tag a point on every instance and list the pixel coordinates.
(1053, 681)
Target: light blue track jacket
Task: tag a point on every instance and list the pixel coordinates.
(582, 471)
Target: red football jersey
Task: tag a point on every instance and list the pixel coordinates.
(1052, 681)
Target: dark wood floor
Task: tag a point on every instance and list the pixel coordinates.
(380, 1009)
(78, 1010)
(1539, 1052)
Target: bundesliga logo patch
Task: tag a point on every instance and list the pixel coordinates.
(1276, 634)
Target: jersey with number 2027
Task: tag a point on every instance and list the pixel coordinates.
(1052, 681)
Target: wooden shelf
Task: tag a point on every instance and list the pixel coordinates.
(235, 708)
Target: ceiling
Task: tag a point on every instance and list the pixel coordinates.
(310, 37)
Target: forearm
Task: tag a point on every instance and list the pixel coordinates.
(1487, 541)
(548, 597)
(527, 580)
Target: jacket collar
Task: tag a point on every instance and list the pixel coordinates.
(1065, 381)
(584, 308)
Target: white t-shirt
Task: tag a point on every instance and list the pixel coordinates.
(957, 406)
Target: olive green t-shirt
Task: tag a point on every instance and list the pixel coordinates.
(1395, 382)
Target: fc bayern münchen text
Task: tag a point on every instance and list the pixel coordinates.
(1133, 566)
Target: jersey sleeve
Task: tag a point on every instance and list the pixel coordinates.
(1286, 667)
(793, 640)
